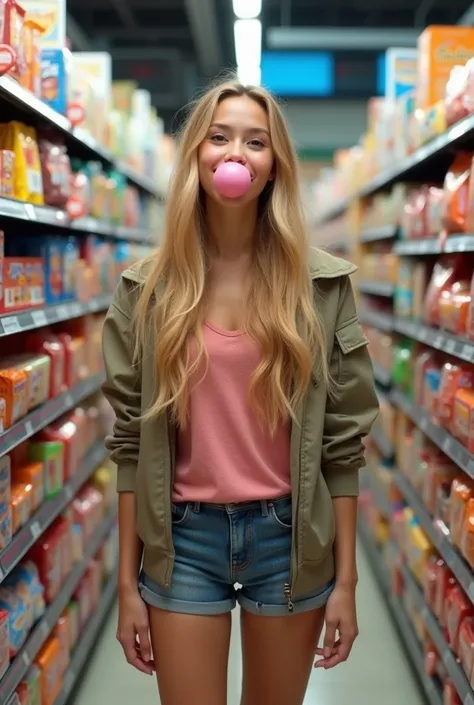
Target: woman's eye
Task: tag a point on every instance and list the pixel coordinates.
(257, 143)
(217, 138)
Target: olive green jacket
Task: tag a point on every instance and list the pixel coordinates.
(326, 442)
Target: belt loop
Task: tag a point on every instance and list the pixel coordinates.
(197, 507)
(264, 505)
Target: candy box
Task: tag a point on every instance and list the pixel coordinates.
(37, 369)
(44, 341)
(67, 432)
(23, 283)
(76, 368)
(49, 250)
(51, 454)
(54, 79)
(14, 391)
(31, 474)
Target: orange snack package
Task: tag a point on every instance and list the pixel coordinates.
(461, 492)
(31, 78)
(456, 194)
(14, 392)
(50, 663)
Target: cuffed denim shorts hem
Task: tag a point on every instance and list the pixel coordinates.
(171, 604)
(151, 596)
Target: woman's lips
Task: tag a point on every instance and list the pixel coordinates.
(252, 176)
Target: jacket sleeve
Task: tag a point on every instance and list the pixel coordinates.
(122, 388)
(353, 407)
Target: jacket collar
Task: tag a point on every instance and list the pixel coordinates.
(322, 265)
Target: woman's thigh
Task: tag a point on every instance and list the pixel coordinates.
(278, 653)
(191, 654)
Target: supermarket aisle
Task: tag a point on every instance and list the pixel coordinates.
(377, 672)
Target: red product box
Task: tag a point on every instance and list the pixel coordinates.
(23, 283)
(47, 556)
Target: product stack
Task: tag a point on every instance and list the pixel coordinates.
(405, 199)
(84, 166)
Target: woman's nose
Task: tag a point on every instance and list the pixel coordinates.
(235, 154)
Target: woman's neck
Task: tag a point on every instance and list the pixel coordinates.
(231, 231)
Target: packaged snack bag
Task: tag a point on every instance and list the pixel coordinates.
(456, 192)
(23, 142)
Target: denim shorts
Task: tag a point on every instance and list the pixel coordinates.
(231, 553)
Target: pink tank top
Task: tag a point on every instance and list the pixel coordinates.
(224, 455)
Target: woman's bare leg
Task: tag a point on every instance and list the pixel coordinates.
(278, 653)
(191, 654)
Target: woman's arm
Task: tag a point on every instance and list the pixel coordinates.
(130, 545)
(122, 388)
(345, 514)
(350, 413)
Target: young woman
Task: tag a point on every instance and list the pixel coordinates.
(242, 388)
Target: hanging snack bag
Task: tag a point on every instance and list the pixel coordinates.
(456, 194)
(23, 142)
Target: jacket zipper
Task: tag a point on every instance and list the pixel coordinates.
(289, 587)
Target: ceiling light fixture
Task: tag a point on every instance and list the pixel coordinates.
(247, 9)
(249, 75)
(248, 42)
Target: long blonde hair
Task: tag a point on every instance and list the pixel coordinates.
(280, 311)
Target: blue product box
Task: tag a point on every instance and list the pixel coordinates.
(54, 79)
(70, 258)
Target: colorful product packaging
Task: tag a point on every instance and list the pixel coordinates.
(51, 455)
(14, 391)
(49, 661)
(54, 79)
(23, 283)
(440, 48)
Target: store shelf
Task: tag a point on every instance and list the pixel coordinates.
(453, 668)
(444, 440)
(436, 532)
(49, 510)
(377, 288)
(38, 318)
(385, 446)
(20, 665)
(44, 215)
(435, 246)
(428, 163)
(382, 376)
(406, 632)
(47, 413)
(384, 232)
(381, 321)
(81, 141)
(88, 639)
(448, 343)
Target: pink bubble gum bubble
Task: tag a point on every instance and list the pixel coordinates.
(232, 180)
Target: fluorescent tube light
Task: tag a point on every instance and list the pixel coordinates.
(248, 42)
(249, 75)
(247, 9)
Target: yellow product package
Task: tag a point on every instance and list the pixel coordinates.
(27, 179)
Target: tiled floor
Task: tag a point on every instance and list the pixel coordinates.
(377, 671)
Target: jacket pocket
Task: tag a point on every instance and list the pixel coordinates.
(349, 338)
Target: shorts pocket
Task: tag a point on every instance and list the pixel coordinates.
(281, 512)
(180, 513)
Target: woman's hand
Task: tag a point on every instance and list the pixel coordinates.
(133, 631)
(340, 617)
